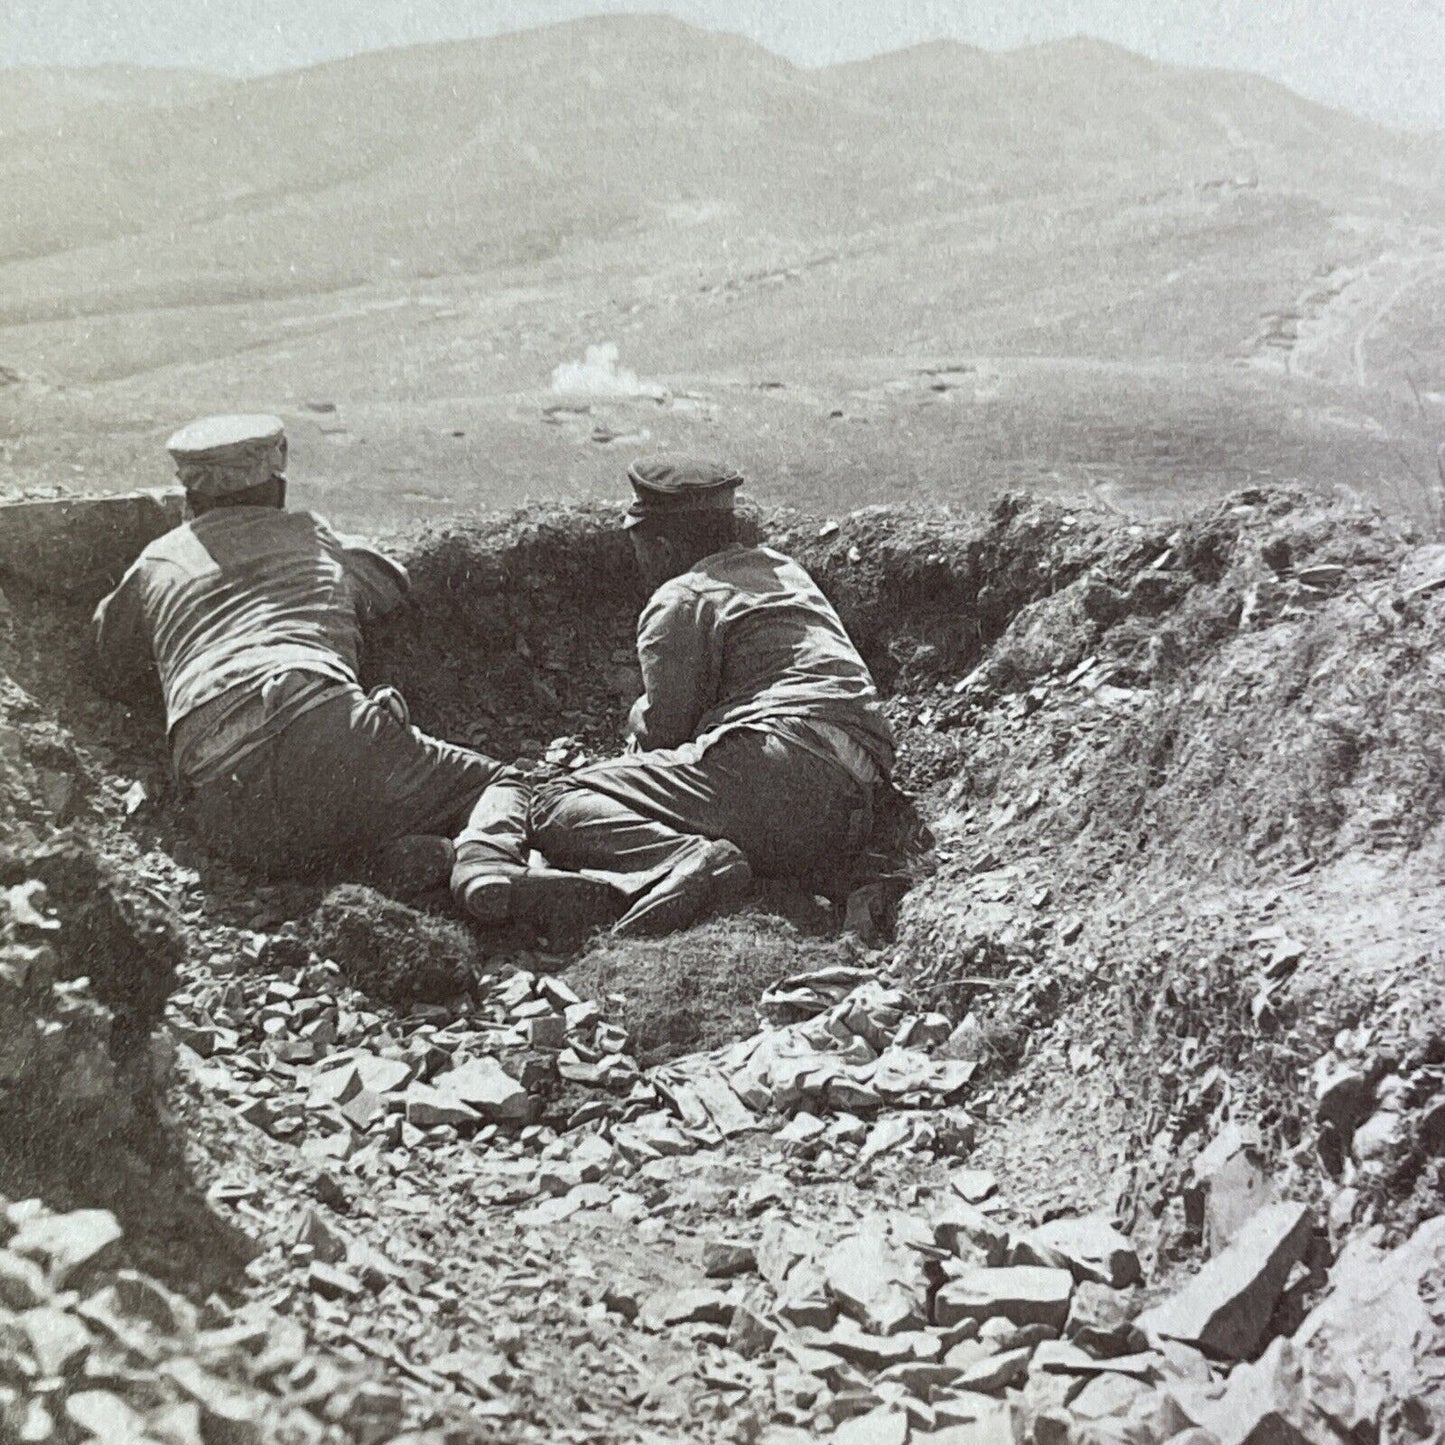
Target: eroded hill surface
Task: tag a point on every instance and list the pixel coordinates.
(1092, 1124)
(471, 154)
(930, 276)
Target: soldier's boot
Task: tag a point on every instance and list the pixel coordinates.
(712, 876)
(554, 902)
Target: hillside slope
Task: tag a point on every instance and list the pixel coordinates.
(470, 154)
(454, 153)
(44, 96)
(1078, 110)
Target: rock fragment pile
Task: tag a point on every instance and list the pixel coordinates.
(308, 1059)
(952, 1323)
(93, 1351)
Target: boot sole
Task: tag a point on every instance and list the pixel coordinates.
(552, 902)
(488, 901)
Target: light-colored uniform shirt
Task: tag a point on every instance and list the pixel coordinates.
(746, 639)
(249, 615)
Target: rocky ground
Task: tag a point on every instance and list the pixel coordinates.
(1112, 1114)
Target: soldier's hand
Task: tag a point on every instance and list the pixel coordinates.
(633, 731)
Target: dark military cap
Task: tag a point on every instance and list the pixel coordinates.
(667, 486)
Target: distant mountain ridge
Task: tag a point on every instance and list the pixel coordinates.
(467, 155)
(45, 95)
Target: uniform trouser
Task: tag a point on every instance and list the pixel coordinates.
(343, 779)
(630, 820)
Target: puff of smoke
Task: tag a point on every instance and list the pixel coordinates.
(599, 374)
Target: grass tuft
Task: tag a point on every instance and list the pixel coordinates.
(700, 988)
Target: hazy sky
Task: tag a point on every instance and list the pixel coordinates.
(1383, 58)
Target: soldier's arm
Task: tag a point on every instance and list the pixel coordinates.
(677, 646)
(379, 582)
(125, 660)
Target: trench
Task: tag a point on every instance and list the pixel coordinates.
(517, 639)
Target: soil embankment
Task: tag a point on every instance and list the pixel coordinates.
(1171, 959)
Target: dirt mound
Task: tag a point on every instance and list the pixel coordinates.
(388, 950)
(1161, 803)
(87, 961)
(112, 929)
(42, 779)
(518, 630)
(122, 938)
(524, 624)
(55, 1036)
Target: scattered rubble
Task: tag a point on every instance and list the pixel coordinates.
(945, 1318)
(91, 1350)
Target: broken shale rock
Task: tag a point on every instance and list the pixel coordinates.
(1021, 1294)
(750, 1334)
(1368, 1363)
(965, 1230)
(688, 1306)
(68, 1244)
(1267, 1401)
(483, 1085)
(430, 1108)
(883, 1426)
(1229, 1183)
(877, 1281)
(23, 1285)
(1225, 1309)
(1382, 1328)
(111, 1355)
(1089, 1247)
(1101, 1320)
(727, 1258)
